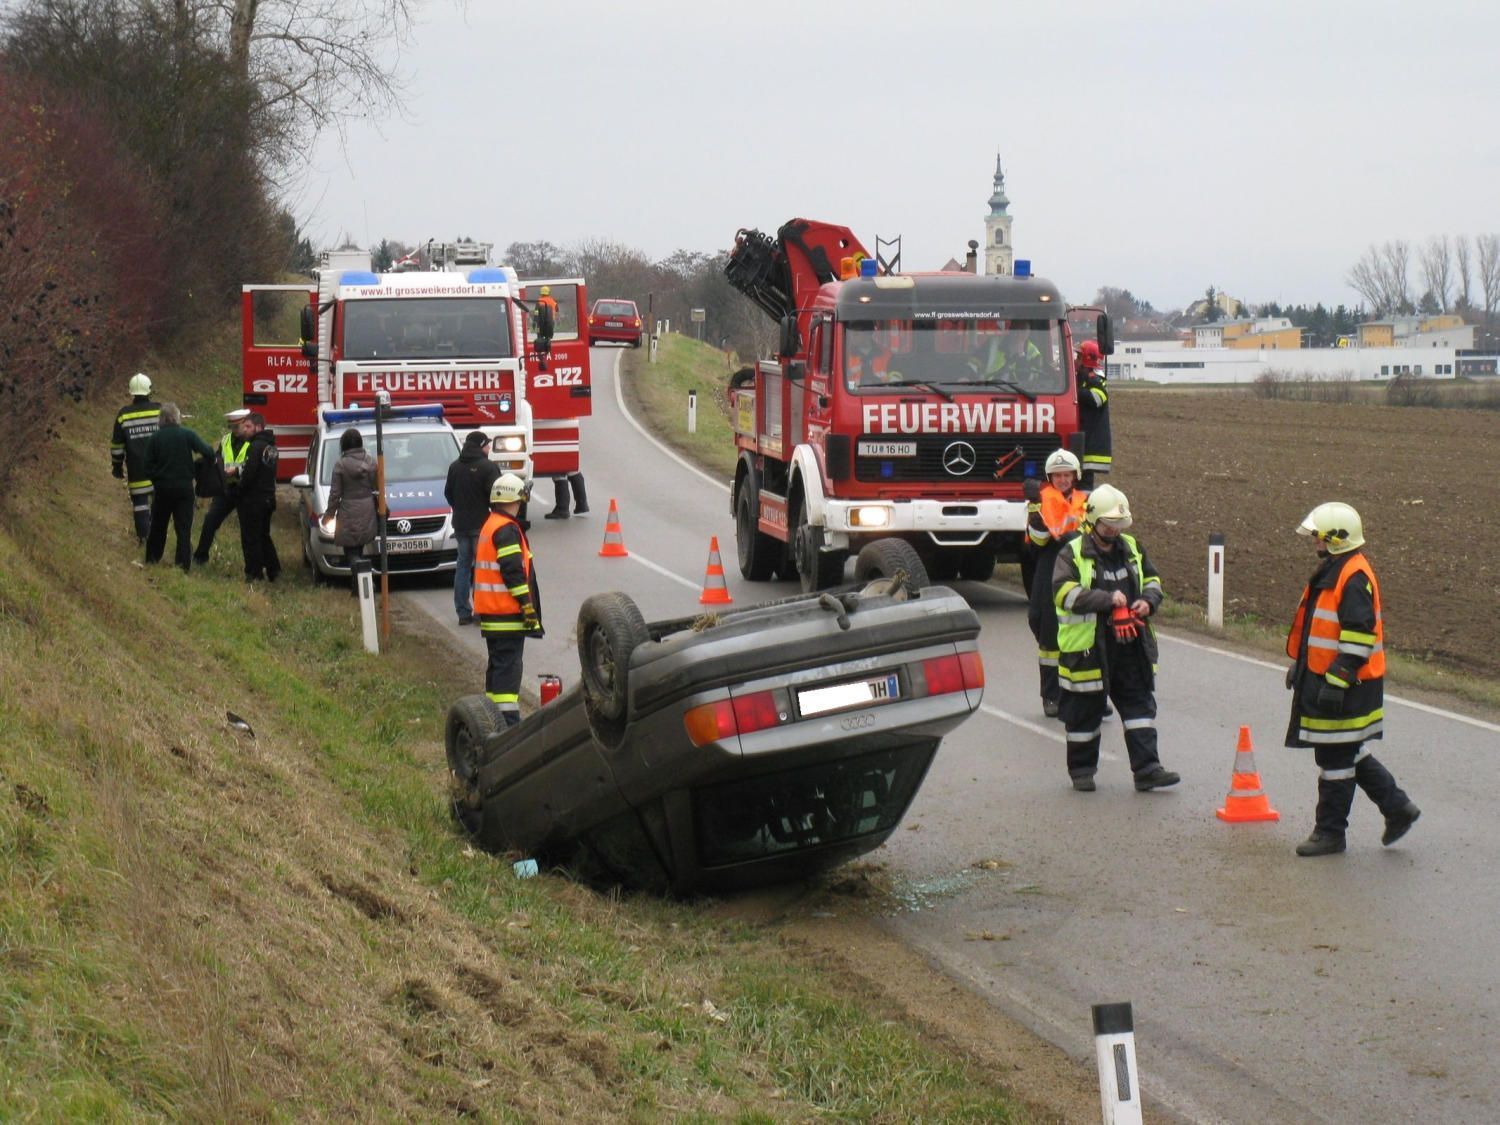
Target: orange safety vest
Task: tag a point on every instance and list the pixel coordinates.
(493, 600)
(1062, 514)
(1325, 639)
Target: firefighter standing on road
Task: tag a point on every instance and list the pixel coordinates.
(1059, 513)
(1105, 590)
(507, 600)
(258, 502)
(1337, 681)
(134, 425)
(1093, 413)
(230, 458)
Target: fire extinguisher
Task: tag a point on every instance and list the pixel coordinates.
(551, 687)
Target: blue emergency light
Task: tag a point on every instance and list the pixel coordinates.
(487, 275)
(353, 416)
(868, 267)
(1023, 267)
(358, 277)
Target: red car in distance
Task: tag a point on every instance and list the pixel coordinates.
(614, 320)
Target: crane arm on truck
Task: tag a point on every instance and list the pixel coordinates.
(779, 273)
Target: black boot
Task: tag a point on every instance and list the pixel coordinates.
(1399, 822)
(1321, 843)
(560, 493)
(580, 495)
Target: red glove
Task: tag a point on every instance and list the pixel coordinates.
(1125, 624)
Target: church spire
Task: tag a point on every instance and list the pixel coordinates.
(998, 200)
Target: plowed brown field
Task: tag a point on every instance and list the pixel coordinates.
(1194, 463)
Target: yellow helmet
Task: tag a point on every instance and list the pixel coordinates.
(1337, 526)
(507, 489)
(546, 290)
(1107, 505)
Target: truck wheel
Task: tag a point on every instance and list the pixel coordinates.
(817, 570)
(610, 627)
(885, 557)
(759, 553)
(472, 723)
(977, 565)
(943, 564)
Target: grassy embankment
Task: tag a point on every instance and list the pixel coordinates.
(658, 392)
(197, 923)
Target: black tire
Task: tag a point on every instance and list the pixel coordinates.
(758, 552)
(977, 565)
(472, 723)
(943, 564)
(817, 570)
(884, 557)
(610, 628)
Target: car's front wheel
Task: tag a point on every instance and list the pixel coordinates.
(886, 558)
(610, 628)
(472, 723)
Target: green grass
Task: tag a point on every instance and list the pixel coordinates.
(198, 924)
(659, 393)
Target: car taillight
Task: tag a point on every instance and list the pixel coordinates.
(593, 319)
(709, 722)
(946, 674)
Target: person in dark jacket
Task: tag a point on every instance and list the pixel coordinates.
(169, 467)
(134, 424)
(1093, 414)
(233, 447)
(258, 502)
(1106, 591)
(1337, 645)
(468, 494)
(351, 501)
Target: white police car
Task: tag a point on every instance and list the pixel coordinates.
(418, 445)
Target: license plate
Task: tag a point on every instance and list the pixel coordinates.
(840, 697)
(614, 324)
(407, 546)
(887, 449)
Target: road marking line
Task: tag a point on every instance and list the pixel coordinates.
(665, 573)
(1024, 724)
(640, 429)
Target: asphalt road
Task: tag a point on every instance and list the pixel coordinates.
(1266, 987)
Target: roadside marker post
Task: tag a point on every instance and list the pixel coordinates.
(1114, 1047)
(692, 412)
(1216, 580)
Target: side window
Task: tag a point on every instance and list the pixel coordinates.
(565, 325)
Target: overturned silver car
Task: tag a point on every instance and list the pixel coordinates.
(725, 751)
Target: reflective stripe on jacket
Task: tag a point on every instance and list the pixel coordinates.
(502, 575)
(1080, 650)
(1338, 639)
(1327, 637)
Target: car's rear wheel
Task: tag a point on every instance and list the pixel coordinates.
(472, 722)
(885, 558)
(610, 628)
(758, 552)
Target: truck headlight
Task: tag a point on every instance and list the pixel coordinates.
(515, 443)
(870, 516)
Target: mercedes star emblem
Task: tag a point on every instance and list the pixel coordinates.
(403, 527)
(959, 458)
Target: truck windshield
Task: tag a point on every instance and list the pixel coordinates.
(978, 356)
(408, 457)
(427, 328)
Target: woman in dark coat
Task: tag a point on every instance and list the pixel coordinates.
(352, 499)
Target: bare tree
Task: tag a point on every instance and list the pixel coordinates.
(1487, 251)
(1461, 261)
(1381, 277)
(1437, 269)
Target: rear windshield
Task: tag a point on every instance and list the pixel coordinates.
(615, 308)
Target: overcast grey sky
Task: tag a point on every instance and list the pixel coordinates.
(1258, 146)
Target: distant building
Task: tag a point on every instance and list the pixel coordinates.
(1444, 331)
(999, 252)
(1273, 332)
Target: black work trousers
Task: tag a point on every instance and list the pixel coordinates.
(1342, 770)
(174, 503)
(502, 677)
(1041, 615)
(219, 510)
(140, 513)
(562, 486)
(1129, 682)
(255, 538)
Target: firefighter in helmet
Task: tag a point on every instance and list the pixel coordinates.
(544, 317)
(1093, 413)
(134, 424)
(507, 600)
(1337, 679)
(1056, 513)
(1105, 591)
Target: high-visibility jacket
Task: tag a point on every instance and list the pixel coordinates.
(503, 576)
(546, 317)
(1338, 639)
(1060, 515)
(134, 425)
(1080, 665)
(866, 371)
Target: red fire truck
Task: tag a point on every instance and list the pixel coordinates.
(454, 331)
(909, 407)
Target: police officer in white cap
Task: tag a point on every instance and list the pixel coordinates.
(229, 457)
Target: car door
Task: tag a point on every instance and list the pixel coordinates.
(560, 389)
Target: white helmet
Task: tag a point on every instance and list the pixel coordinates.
(1062, 461)
(1336, 524)
(140, 384)
(507, 489)
(1107, 504)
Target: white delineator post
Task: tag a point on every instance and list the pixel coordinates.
(367, 610)
(692, 412)
(1216, 579)
(1114, 1046)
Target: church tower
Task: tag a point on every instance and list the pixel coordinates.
(998, 251)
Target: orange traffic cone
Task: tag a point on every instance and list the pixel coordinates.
(715, 592)
(1247, 800)
(614, 542)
